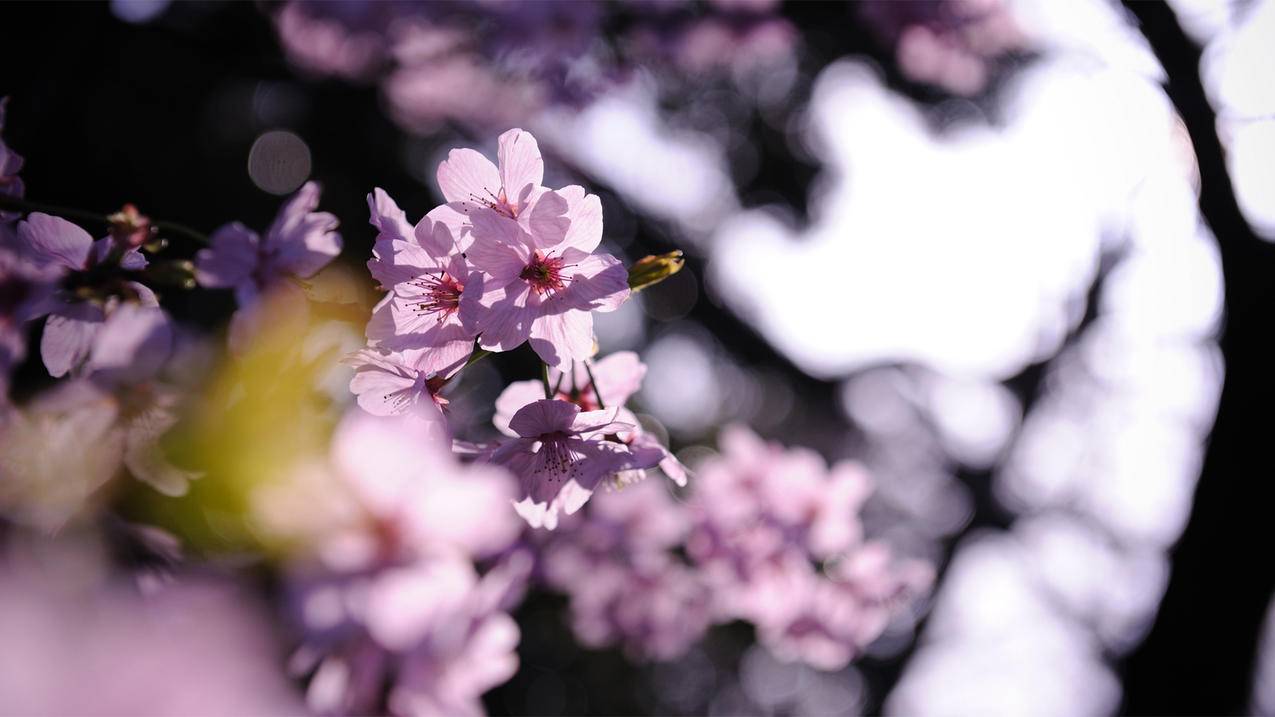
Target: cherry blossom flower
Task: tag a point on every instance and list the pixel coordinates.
(512, 194)
(425, 272)
(541, 288)
(560, 456)
(94, 283)
(614, 380)
(299, 243)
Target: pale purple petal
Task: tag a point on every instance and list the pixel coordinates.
(302, 241)
(405, 604)
(229, 260)
(617, 376)
(563, 473)
(384, 392)
(131, 346)
(436, 340)
(515, 396)
(456, 218)
(54, 240)
(599, 282)
(130, 259)
(381, 326)
(68, 337)
(601, 421)
(544, 416)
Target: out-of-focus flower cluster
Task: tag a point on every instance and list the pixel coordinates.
(956, 45)
(766, 535)
(489, 64)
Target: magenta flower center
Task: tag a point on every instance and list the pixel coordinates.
(544, 273)
(442, 294)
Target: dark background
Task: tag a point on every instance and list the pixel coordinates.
(161, 116)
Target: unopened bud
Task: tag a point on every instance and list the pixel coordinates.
(130, 228)
(651, 270)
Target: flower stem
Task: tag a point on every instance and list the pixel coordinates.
(594, 383)
(80, 215)
(544, 378)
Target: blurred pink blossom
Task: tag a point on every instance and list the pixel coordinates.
(75, 644)
(627, 587)
(765, 519)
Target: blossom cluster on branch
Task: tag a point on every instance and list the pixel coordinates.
(400, 549)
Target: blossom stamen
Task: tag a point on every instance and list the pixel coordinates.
(545, 273)
(498, 203)
(442, 295)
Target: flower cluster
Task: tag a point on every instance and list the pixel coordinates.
(626, 583)
(773, 539)
(398, 549)
(507, 261)
(776, 533)
(956, 45)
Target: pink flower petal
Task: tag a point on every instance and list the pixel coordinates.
(499, 247)
(547, 220)
(562, 338)
(388, 219)
(521, 167)
(469, 178)
(599, 282)
(585, 215)
(506, 322)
